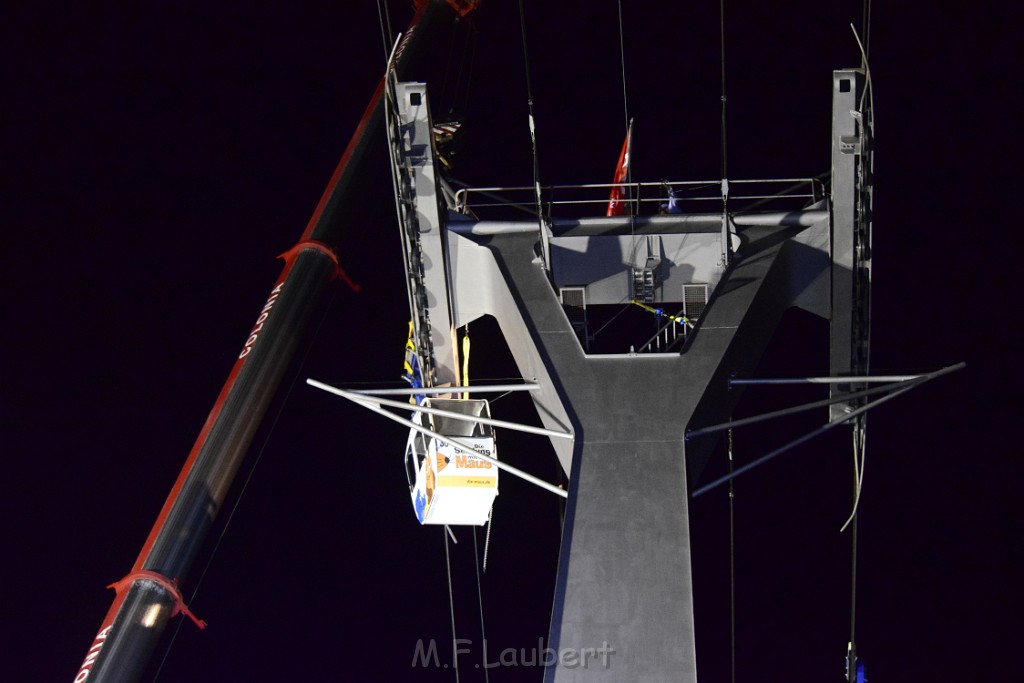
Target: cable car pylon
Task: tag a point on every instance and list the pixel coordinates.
(624, 580)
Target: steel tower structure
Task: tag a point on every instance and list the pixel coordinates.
(624, 579)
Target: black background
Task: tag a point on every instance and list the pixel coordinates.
(157, 159)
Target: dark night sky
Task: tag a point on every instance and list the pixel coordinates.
(158, 159)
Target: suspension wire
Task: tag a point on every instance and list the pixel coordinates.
(622, 61)
(724, 99)
(626, 303)
(386, 36)
(248, 478)
(865, 28)
(487, 537)
(499, 397)
(533, 126)
(859, 443)
(867, 94)
(732, 566)
(472, 38)
(726, 246)
(448, 71)
(853, 584)
(451, 605)
(468, 50)
(629, 148)
(480, 601)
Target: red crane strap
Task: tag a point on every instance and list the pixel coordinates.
(170, 584)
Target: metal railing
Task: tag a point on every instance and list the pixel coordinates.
(667, 335)
(645, 198)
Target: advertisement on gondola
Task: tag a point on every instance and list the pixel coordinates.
(452, 484)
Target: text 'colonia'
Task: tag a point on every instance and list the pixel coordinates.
(264, 314)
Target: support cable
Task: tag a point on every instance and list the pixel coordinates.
(472, 41)
(853, 601)
(867, 124)
(859, 439)
(726, 246)
(724, 99)
(386, 36)
(867, 94)
(866, 30)
(625, 307)
(629, 160)
(622, 61)
(533, 126)
(480, 601)
(461, 48)
(810, 435)
(466, 55)
(732, 566)
(859, 443)
(451, 605)
(448, 70)
(487, 537)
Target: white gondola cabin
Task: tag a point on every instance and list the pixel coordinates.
(449, 484)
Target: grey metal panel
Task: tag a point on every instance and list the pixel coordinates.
(846, 87)
(418, 159)
(602, 263)
(816, 296)
(479, 289)
(624, 575)
(625, 582)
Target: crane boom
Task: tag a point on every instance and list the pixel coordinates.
(148, 596)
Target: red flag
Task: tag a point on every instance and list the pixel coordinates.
(616, 201)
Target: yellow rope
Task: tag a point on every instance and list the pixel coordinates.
(657, 311)
(465, 360)
(410, 346)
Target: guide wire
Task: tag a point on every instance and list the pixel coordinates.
(732, 565)
(726, 220)
(859, 443)
(866, 29)
(630, 201)
(451, 605)
(487, 537)
(532, 122)
(724, 99)
(480, 601)
(386, 36)
(622, 61)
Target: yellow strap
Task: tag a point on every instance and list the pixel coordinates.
(465, 360)
(677, 318)
(410, 345)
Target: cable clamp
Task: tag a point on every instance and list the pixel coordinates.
(339, 272)
(170, 585)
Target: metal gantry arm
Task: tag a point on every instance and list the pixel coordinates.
(435, 391)
(900, 386)
(362, 397)
(375, 404)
